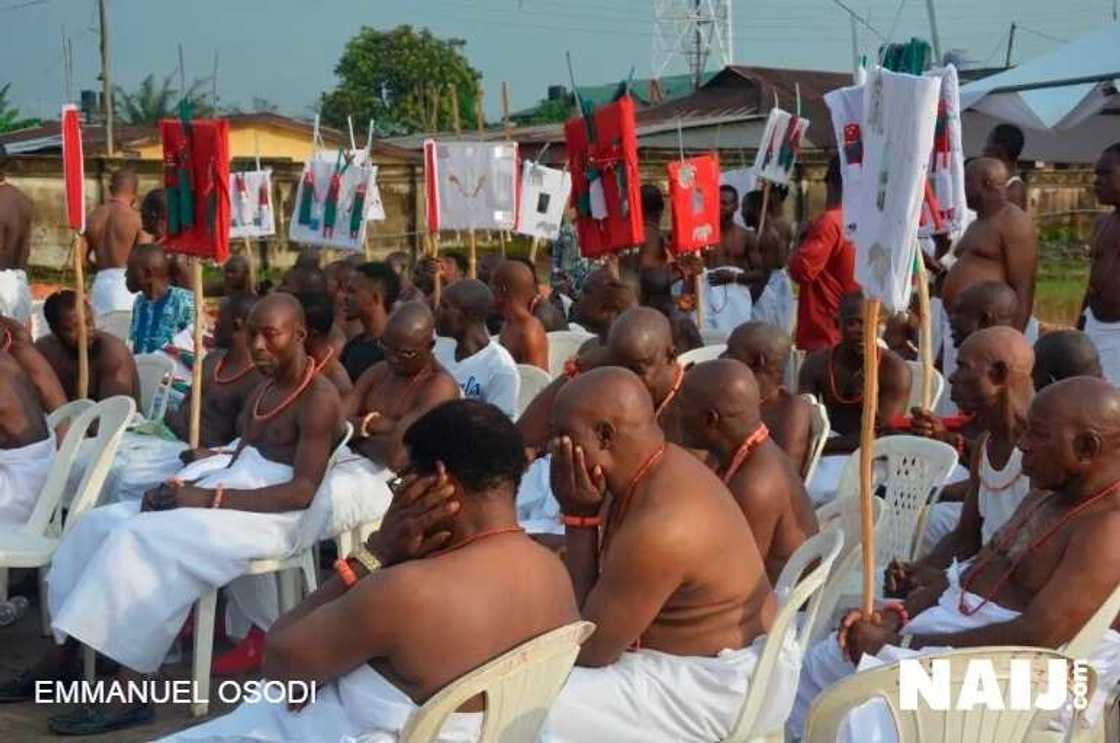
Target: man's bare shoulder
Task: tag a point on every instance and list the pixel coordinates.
(442, 382)
(114, 350)
(891, 363)
(49, 346)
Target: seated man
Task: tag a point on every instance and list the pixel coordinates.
(670, 574)
(338, 275)
(1061, 354)
(983, 305)
(522, 334)
(502, 589)
(161, 310)
(368, 298)
(765, 350)
(835, 376)
(992, 382)
(236, 278)
(483, 368)
(717, 412)
(198, 533)
(551, 316)
(324, 340)
(305, 276)
(1040, 578)
(394, 393)
(112, 368)
(604, 297)
(15, 340)
(656, 284)
(27, 445)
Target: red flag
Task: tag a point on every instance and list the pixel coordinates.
(73, 168)
(694, 195)
(203, 150)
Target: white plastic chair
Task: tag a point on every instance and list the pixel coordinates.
(915, 400)
(207, 605)
(978, 725)
(520, 687)
(819, 429)
(562, 345)
(713, 337)
(793, 368)
(118, 323)
(152, 368)
(794, 593)
(533, 380)
(700, 355)
(33, 544)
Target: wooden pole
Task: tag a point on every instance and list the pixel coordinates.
(697, 286)
(252, 264)
(454, 97)
(83, 330)
(925, 334)
(504, 236)
(199, 353)
(765, 208)
(867, 447)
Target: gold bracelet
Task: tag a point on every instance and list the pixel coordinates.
(366, 558)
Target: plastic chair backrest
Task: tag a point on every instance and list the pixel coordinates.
(842, 514)
(819, 429)
(562, 345)
(114, 415)
(977, 725)
(68, 412)
(151, 368)
(519, 686)
(1085, 642)
(916, 467)
(915, 400)
(793, 368)
(118, 323)
(794, 592)
(533, 380)
(702, 354)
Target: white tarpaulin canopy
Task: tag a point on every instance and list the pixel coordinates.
(1067, 97)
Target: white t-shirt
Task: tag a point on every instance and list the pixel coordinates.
(489, 375)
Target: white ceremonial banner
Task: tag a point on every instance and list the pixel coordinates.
(544, 195)
(335, 198)
(472, 185)
(780, 145)
(250, 202)
(946, 171)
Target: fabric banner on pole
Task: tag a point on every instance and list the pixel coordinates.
(337, 194)
(73, 165)
(544, 196)
(471, 185)
(846, 107)
(694, 196)
(780, 145)
(946, 170)
(251, 204)
(196, 174)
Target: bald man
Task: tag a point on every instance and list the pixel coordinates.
(1050, 567)
(15, 249)
(835, 376)
(112, 230)
(717, 412)
(670, 574)
(396, 392)
(993, 383)
(765, 350)
(27, 445)
(1101, 306)
(515, 292)
(484, 369)
(983, 305)
(1061, 354)
(124, 579)
(160, 311)
(1001, 245)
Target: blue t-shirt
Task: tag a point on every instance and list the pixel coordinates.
(154, 324)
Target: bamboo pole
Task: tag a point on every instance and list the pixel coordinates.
(504, 236)
(199, 352)
(698, 282)
(83, 330)
(925, 334)
(765, 208)
(867, 447)
(252, 264)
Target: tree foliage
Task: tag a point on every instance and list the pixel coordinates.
(152, 101)
(395, 77)
(551, 111)
(10, 119)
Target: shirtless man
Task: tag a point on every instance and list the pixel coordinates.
(717, 412)
(992, 382)
(1061, 354)
(27, 446)
(153, 220)
(112, 368)
(999, 246)
(522, 334)
(657, 284)
(112, 230)
(1005, 143)
(324, 341)
(604, 297)
(1101, 306)
(15, 340)
(236, 276)
(393, 394)
(1039, 579)
(765, 350)
(652, 253)
(732, 249)
(15, 249)
(678, 574)
(474, 564)
(196, 535)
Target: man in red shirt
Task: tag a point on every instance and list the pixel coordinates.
(823, 266)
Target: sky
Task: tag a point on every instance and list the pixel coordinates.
(285, 51)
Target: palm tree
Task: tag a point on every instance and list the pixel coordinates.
(9, 116)
(151, 102)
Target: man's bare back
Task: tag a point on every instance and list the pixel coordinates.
(111, 231)
(21, 418)
(526, 341)
(788, 416)
(15, 227)
(112, 370)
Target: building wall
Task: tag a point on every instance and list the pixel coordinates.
(271, 142)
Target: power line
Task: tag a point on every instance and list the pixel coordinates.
(21, 6)
(1049, 37)
(859, 20)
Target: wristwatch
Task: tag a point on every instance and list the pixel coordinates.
(366, 558)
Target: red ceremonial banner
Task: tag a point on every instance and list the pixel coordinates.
(606, 187)
(694, 196)
(196, 182)
(73, 168)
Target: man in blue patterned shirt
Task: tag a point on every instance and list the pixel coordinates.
(160, 310)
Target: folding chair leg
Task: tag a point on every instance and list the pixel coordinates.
(44, 610)
(204, 613)
(89, 662)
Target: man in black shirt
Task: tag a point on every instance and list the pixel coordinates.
(368, 297)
